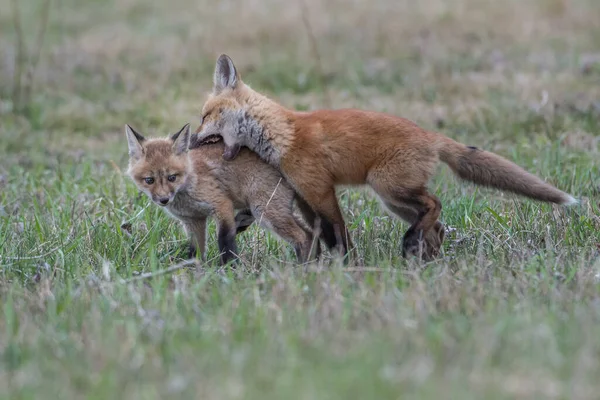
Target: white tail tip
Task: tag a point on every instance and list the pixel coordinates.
(571, 201)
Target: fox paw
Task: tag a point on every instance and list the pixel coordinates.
(192, 251)
(423, 249)
(413, 247)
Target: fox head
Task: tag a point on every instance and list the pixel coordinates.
(159, 167)
(244, 117)
(223, 114)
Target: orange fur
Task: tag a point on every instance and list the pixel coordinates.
(317, 151)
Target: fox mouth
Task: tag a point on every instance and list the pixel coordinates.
(231, 152)
(195, 143)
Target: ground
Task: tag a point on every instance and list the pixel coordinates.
(511, 309)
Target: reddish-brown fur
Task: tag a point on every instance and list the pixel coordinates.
(354, 147)
(317, 151)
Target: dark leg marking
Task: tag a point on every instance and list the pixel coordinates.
(192, 250)
(226, 242)
(243, 220)
(327, 232)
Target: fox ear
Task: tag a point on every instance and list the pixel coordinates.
(134, 140)
(181, 140)
(226, 75)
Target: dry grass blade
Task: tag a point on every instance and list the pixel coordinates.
(25, 65)
(36, 53)
(171, 269)
(314, 44)
(19, 57)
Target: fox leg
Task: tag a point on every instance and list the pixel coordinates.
(280, 220)
(334, 230)
(316, 224)
(312, 248)
(226, 231)
(428, 208)
(416, 206)
(433, 238)
(404, 189)
(309, 249)
(196, 230)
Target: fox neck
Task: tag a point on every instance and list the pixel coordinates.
(267, 128)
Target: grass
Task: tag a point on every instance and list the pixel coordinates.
(511, 310)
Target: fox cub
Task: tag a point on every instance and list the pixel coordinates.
(192, 182)
(319, 150)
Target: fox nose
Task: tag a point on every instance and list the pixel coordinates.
(164, 201)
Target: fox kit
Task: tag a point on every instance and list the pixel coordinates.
(318, 150)
(192, 182)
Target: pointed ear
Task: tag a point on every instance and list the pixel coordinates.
(181, 140)
(134, 140)
(226, 75)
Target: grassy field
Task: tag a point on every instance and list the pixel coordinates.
(511, 310)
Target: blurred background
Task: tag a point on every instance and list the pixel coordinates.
(85, 68)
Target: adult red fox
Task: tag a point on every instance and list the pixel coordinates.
(316, 151)
(192, 182)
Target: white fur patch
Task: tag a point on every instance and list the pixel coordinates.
(571, 201)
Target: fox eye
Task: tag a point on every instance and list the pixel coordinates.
(171, 178)
(149, 181)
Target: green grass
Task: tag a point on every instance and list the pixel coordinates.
(510, 310)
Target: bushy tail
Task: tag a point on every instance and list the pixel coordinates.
(488, 169)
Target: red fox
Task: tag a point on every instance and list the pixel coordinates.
(318, 150)
(191, 181)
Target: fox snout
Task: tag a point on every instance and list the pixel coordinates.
(163, 200)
